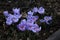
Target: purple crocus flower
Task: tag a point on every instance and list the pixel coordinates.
(36, 28)
(42, 20)
(33, 18)
(33, 27)
(29, 26)
(30, 13)
(46, 19)
(16, 11)
(12, 18)
(9, 20)
(22, 25)
(15, 19)
(35, 9)
(23, 21)
(41, 10)
(5, 13)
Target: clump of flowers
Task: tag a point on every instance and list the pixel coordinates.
(46, 19)
(29, 22)
(40, 10)
(12, 18)
(25, 25)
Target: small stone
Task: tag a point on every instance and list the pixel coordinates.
(51, 31)
(28, 39)
(44, 34)
(58, 13)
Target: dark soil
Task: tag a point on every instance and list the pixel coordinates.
(52, 7)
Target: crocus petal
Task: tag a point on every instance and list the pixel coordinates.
(29, 26)
(5, 13)
(35, 25)
(41, 10)
(32, 18)
(10, 16)
(36, 29)
(16, 11)
(35, 9)
(30, 21)
(28, 17)
(48, 18)
(30, 13)
(41, 20)
(21, 27)
(23, 21)
(18, 16)
(15, 20)
(8, 21)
